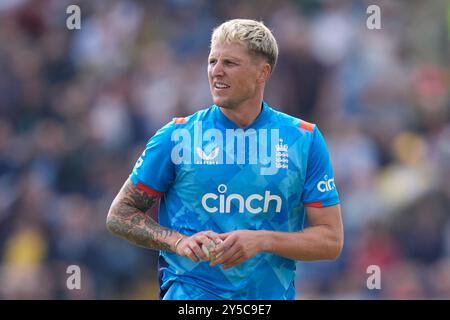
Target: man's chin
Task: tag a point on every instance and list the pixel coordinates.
(223, 103)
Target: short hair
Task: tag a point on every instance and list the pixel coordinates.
(255, 35)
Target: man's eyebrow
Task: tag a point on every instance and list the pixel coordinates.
(225, 58)
(232, 58)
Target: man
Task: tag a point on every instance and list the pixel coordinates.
(234, 182)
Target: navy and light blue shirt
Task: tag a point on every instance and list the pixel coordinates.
(213, 175)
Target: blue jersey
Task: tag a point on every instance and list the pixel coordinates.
(213, 175)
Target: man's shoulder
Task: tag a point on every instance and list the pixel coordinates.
(177, 123)
(286, 120)
(201, 115)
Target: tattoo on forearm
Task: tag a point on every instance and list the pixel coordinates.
(128, 219)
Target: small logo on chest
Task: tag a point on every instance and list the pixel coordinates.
(282, 155)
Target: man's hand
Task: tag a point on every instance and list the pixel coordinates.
(191, 247)
(322, 240)
(237, 247)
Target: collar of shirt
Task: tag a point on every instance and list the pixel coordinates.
(260, 121)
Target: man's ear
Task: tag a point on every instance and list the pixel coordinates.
(264, 73)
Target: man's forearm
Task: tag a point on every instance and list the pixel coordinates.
(142, 230)
(314, 243)
(127, 219)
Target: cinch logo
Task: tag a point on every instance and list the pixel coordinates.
(255, 203)
(326, 184)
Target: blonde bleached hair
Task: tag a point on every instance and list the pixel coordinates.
(255, 35)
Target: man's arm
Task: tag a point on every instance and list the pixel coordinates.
(322, 240)
(127, 218)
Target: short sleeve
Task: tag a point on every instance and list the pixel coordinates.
(154, 171)
(320, 188)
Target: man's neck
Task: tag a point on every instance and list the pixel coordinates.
(245, 114)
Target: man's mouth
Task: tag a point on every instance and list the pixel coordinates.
(220, 85)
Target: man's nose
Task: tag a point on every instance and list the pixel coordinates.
(217, 69)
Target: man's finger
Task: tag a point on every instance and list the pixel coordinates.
(225, 245)
(223, 236)
(233, 264)
(237, 254)
(224, 255)
(198, 251)
(207, 245)
(210, 234)
(190, 254)
(206, 241)
(214, 237)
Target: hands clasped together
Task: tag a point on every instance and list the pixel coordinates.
(228, 249)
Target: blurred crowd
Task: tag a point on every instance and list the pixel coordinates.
(77, 107)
